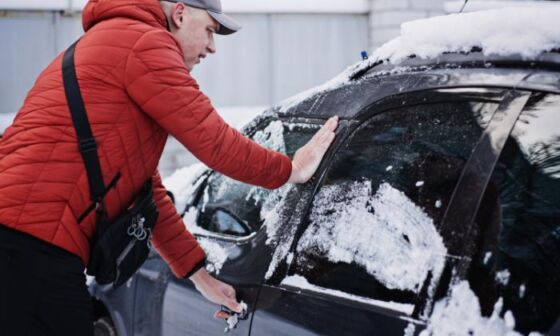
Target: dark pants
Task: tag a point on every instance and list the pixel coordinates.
(42, 289)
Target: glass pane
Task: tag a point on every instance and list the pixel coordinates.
(245, 201)
(372, 229)
(223, 222)
(519, 220)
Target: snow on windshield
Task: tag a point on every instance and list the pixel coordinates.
(387, 234)
(459, 314)
(216, 255)
(505, 31)
(301, 282)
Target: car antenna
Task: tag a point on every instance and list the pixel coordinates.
(464, 4)
(364, 55)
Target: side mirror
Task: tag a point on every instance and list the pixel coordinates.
(221, 220)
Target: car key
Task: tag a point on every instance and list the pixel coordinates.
(234, 317)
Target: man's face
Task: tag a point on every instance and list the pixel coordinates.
(194, 30)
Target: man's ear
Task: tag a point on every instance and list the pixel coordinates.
(177, 15)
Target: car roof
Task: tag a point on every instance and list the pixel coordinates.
(364, 83)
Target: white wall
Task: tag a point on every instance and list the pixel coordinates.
(387, 16)
(273, 57)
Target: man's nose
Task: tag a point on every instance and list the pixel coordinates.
(211, 47)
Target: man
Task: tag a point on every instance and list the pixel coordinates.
(133, 67)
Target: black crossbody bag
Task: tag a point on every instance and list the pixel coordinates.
(118, 247)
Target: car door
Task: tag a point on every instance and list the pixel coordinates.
(369, 250)
(234, 223)
(517, 236)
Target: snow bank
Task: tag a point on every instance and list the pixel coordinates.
(459, 314)
(301, 282)
(387, 234)
(526, 31)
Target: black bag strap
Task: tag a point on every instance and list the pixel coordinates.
(86, 141)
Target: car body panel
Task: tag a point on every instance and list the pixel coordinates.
(292, 311)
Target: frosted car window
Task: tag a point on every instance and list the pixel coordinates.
(246, 202)
(518, 257)
(372, 226)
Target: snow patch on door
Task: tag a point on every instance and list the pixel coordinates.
(459, 314)
(301, 282)
(216, 255)
(387, 234)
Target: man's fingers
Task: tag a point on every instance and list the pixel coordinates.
(332, 123)
(325, 131)
(230, 300)
(321, 136)
(327, 142)
(234, 305)
(221, 315)
(318, 136)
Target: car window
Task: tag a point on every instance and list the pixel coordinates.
(234, 208)
(372, 226)
(518, 259)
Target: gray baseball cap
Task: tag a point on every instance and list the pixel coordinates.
(214, 8)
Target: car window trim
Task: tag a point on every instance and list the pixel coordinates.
(476, 174)
(372, 307)
(473, 181)
(227, 238)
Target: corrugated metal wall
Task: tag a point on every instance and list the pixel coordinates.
(273, 57)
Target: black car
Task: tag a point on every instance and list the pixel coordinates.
(442, 188)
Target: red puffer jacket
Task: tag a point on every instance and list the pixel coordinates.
(137, 91)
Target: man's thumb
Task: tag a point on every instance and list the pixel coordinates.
(234, 305)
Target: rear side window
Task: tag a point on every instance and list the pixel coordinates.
(519, 245)
(372, 227)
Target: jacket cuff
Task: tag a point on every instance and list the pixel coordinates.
(284, 173)
(198, 266)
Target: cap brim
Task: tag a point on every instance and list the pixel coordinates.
(227, 24)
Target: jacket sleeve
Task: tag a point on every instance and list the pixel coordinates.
(175, 244)
(158, 81)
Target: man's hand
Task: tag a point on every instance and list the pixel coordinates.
(307, 158)
(215, 291)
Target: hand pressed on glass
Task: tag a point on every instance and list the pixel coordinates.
(307, 158)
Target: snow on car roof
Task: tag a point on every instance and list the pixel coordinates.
(524, 31)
